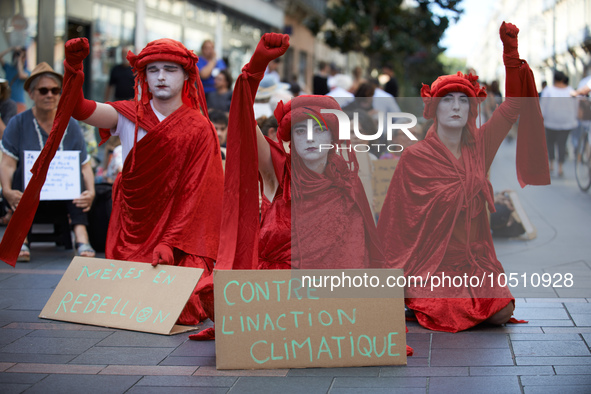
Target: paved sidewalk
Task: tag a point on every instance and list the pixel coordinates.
(550, 354)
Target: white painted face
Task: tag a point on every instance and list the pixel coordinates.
(453, 110)
(165, 79)
(309, 150)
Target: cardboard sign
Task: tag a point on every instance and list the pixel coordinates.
(63, 177)
(266, 319)
(382, 176)
(123, 294)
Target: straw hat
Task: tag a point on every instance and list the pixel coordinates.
(42, 68)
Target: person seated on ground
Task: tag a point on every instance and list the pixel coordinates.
(29, 131)
(434, 219)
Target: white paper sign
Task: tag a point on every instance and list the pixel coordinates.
(63, 177)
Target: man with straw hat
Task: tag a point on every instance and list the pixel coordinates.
(30, 131)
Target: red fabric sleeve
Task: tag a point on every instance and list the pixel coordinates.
(23, 216)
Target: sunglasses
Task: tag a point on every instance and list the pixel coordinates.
(54, 91)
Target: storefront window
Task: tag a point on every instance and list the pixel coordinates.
(112, 33)
(18, 21)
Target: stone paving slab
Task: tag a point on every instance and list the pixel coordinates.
(141, 339)
(572, 370)
(558, 380)
(568, 389)
(512, 370)
(389, 390)
(550, 348)
(115, 355)
(176, 390)
(70, 334)
(212, 371)
(39, 345)
(56, 368)
(197, 361)
(29, 378)
(8, 336)
(147, 370)
(481, 385)
(295, 385)
(35, 358)
(470, 357)
(553, 360)
(469, 340)
(188, 381)
(99, 384)
(363, 383)
(352, 371)
(14, 388)
(424, 371)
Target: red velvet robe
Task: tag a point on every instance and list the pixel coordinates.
(433, 203)
(172, 195)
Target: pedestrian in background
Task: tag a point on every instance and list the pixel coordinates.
(16, 75)
(560, 111)
(209, 66)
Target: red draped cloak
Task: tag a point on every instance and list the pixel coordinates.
(171, 196)
(434, 218)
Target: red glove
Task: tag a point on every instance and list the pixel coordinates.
(508, 33)
(76, 51)
(271, 46)
(162, 255)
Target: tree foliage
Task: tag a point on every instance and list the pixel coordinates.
(390, 32)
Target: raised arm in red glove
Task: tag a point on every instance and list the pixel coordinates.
(271, 46)
(508, 33)
(76, 51)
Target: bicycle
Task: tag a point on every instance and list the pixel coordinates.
(583, 162)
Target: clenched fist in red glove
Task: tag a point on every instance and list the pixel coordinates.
(508, 33)
(76, 51)
(271, 46)
(162, 255)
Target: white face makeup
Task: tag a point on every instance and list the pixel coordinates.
(309, 150)
(453, 110)
(165, 79)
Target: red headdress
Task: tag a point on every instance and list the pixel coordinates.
(342, 163)
(445, 84)
(166, 50)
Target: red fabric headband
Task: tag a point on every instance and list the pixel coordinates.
(166, 50)
(448, 84)
(305, 106)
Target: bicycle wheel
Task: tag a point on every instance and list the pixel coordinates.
(583, 163)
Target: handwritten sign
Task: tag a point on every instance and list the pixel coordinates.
(63, 177)
(382, 176)
(267, 319)
(123, 294)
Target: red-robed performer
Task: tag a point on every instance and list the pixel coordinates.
(434, 218)
(332, 226)
(167, 199)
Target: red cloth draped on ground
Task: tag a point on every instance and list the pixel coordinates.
(22, 219)
(180, 206)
